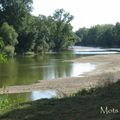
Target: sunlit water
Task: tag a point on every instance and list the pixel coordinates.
(32, 96)
(94, 50)
(23, 70)
(43, 94)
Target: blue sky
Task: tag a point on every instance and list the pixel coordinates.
(87, 13)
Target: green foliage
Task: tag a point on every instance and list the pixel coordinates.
(9, 50)
(4, 100)
(3, 58)
(21, 32)
(100, 35)
(24, 32)
(9, 34)
(13, 11)
(116, 34)
(1, 43)
(63, 35)
(40, 34)
(84, 105)
(6, 103)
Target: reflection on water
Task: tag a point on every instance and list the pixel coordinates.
(81, 48)
(24, 70)
(31, 96)
(80, 68)
(35, 95)
(95, 52)
(28, 70)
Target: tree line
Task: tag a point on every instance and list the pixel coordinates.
(21, 32)
(107, 35)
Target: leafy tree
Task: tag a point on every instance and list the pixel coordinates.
(82, 34)
(28, 34)
(1, 43)
(9, 36)
(13, 11)
(2, 56)
(106, 38)
(43, 37)
(64, 36)
(116, 34)
(99, 35)
(22, 32)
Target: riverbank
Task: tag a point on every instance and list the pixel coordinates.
(107, 70)
(101, 103)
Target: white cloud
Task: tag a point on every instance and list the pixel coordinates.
(86, 12)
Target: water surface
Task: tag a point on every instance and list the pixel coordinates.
(22, 70)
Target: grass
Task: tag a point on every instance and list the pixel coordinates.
(6, 103)
(4, 100)
(84, 105)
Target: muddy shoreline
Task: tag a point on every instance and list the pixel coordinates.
(107, 70)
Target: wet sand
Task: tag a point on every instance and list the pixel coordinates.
(107, 70)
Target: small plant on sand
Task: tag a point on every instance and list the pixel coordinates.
(4, 100)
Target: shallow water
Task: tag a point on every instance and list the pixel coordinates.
(31, 96)
(35, 95)
(94, 50)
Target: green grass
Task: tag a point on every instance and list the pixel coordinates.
(84, 105)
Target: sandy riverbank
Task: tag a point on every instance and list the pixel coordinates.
(108, 69)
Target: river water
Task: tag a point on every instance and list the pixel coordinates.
(25, 70)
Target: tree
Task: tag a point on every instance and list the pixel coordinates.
(2, 56)
(43, 37)
(116, 34)
(1, 44)
(22, 32)
(99, 35)
(27, 34)
(64, 36)
(54, 32)
(16, 13)
(13, 11)
(9, 36)
(82, 34)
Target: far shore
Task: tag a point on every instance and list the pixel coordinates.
(107, 70)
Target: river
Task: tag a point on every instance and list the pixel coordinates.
(25, 70)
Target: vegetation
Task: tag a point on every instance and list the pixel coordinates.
(2, 56)
(81, 106)
(8, 104)
(4, 101)
(100, 35)
(22, 32)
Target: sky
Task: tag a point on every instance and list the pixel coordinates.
(86, 13)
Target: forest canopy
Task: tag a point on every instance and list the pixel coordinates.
(21, 32)
(107, 35)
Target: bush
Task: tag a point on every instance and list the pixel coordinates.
(9, 50)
